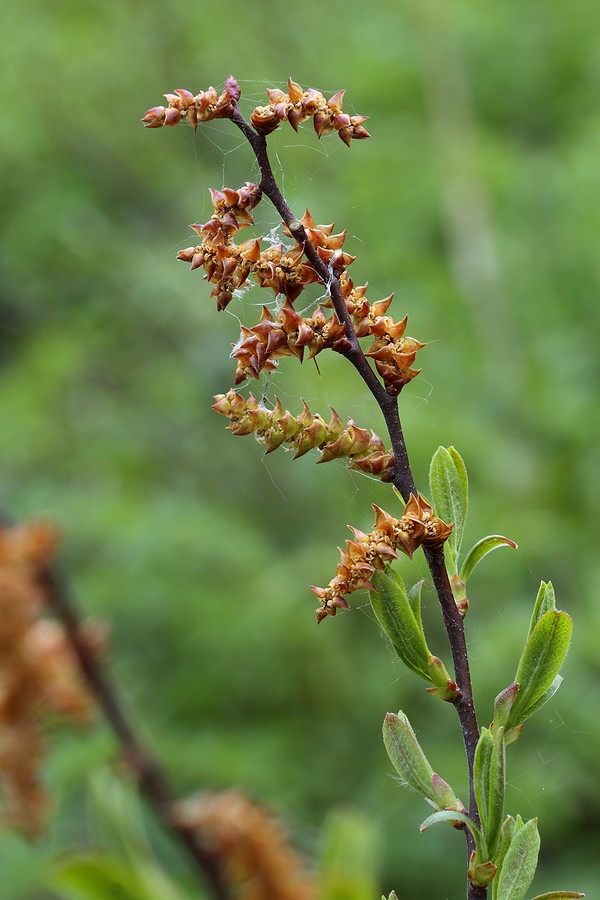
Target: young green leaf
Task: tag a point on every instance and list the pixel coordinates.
(481, 549)
(481, 773)
(446, 815)
(449, 490)
(445, 796)
(558, 895)
(395, 614)
(547, 695)
(540, 662)
(544, 602)
(414, 598)
(94, 876)
(481, 874)
(445, 688)
(519, 864)
(503, 705)
(510, 827)
(349, 856)
(496, 791)
(407, 757)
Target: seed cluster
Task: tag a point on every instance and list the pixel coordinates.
(299, 105)
(367, 552)
(334, 440)
(282, 332)
(393, 352)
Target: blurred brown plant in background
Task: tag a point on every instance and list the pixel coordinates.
(39, 674)
(258, 862)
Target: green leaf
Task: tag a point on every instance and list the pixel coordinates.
(445, 796)
(395, 615)
(414, 598)
(496, 791)
(490, 784)
(349, 857)
(503, 704)
(547, 695)
(558, 895)
(95, 876)
(446, 815)
(449, 490)
(540, 662)
(118, 820)
(510, 827)
(519, 864)
(544, 602)
(481, 773)
(481, 874)
(407, 757)
(481, 549)
(445, 687)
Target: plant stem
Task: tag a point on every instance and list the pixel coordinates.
(403, 477)
(152, 780)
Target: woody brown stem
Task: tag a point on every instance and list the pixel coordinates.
(151, 777)
(403, 477)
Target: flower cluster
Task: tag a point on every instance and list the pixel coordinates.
(298, 105)
(38, 672)
(367, 552)
(277, 426)
(201, 107)
(258, 862)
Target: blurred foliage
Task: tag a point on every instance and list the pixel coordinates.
(476, 201)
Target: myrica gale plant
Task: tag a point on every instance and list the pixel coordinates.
(502, 849)
(52, 663)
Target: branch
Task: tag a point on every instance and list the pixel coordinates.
(152, 780)
(403, 477)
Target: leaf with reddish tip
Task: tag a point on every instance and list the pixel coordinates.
(412, 765)
(445, 815)
(444, 794)
(481, 874)
(558, 895)
(481, 549)
(407, 757)
(503, 705)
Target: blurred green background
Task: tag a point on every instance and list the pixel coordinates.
(476, 202)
